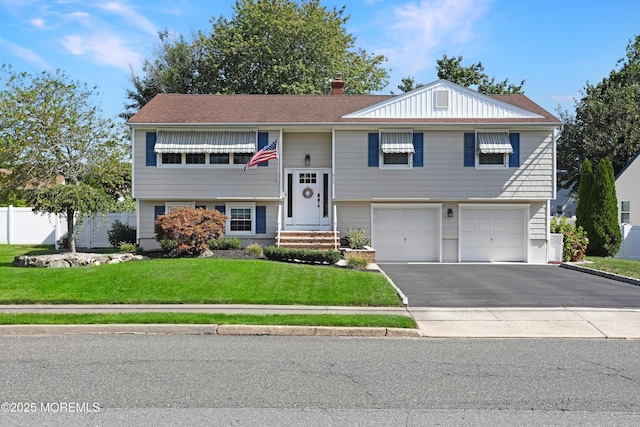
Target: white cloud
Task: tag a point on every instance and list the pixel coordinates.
(103, 49)
(24, 53)
(420, 29)
(130, 16)
(38, 23)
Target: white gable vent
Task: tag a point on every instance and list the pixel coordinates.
(442, 99)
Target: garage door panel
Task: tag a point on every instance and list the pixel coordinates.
(406, 234)
(492, 234)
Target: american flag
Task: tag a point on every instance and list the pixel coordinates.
(267, 153)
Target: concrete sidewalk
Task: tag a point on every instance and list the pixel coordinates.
(433, 322)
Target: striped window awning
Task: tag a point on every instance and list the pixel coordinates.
(205, 142)
(396, 142)
(494, 143)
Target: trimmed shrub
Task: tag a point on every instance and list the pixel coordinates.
(227, 244)
(584, 209)
(127, 247)
(190, 228)
(357, 239)
(309, 256)
(575, 239)
(357, 262)
(168, 244)
(121, 233)
(604, 235)
(255, 250)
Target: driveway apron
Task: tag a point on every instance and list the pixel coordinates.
(508, 285)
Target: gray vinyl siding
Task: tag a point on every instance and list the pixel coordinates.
(298, 144)
(444, 176)
(147, 218)
(185, 182)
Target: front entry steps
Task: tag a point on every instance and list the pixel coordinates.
(318, 240)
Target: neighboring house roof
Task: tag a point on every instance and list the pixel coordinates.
(318, 109)
(629, 163)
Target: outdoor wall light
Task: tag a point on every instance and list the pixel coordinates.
(450, 213)
(307, 160)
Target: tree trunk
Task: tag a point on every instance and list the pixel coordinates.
(71, 234)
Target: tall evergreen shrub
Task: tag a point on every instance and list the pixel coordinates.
(605, 236)
(584, 208)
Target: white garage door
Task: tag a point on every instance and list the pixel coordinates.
(406, 234)
(492, 234)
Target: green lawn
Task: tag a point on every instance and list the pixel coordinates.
(623, 267)
(344, 320)
(206, 281)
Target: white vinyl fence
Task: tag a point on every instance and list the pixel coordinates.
(22, 226)
(630, 246)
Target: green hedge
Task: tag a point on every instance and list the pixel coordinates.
(309, 256)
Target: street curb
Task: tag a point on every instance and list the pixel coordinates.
(316, 331)
(601, 273)
(163, 329)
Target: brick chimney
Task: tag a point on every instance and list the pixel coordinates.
(337, 85)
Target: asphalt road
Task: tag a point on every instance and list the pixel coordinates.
(508, 285)
(287, 381)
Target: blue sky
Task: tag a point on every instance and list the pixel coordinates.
(555, 45)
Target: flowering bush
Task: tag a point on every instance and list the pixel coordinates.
(189, 229)
(575, 240)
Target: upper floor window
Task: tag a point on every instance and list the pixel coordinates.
(200, 148)
(396, 149)
(492, 149)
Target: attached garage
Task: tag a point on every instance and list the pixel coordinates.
(406, 232)
(493, 233)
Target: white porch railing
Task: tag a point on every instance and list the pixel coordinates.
(336, 243)
(279, 225)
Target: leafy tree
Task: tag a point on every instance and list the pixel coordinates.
(72, 202)
(473, 76)
(50, 128)
(266, 47)
(605, 234)
(584, 209)
(606, 122)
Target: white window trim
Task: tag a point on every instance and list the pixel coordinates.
(622, 212)
(240, 205)
(408, 166)
(205, 165)
(169, 206)
(381, 164)
(504, 165)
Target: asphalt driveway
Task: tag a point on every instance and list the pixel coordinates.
(508, 285)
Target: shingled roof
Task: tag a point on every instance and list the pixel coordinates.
(293, 109)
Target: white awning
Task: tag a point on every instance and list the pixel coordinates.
(205, 142)
(396, 142)
(494, 143)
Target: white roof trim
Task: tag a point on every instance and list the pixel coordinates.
(463, 103)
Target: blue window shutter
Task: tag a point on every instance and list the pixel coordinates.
(151, 155)
(157, 211)
(514, 158)
(418, 146)
(261, 219)
(470, 149)
(220, 208)
(263, 140)
(374, 150)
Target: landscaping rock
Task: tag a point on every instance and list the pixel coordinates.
(67, 259)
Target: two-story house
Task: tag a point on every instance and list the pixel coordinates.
(439, 174)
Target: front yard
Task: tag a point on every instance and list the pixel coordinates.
(196, 281)
(623, 267)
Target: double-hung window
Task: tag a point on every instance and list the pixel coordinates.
(625, 211)
(241, 218)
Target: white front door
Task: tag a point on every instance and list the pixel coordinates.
(307, 197)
